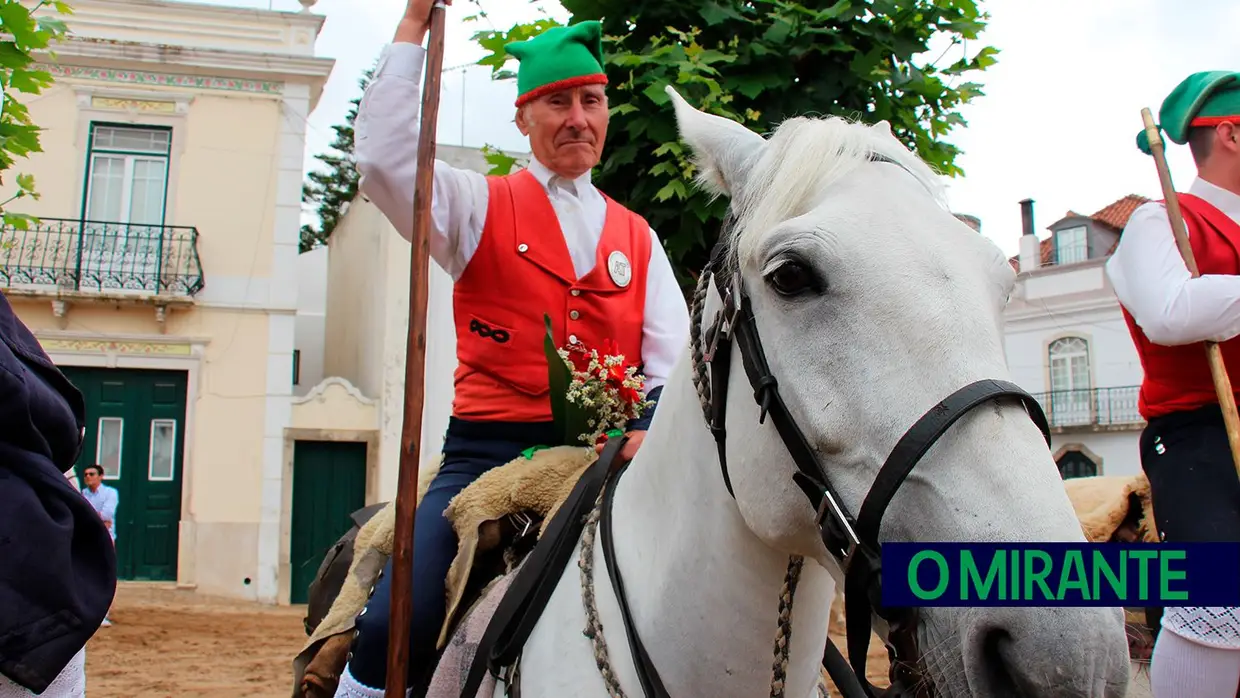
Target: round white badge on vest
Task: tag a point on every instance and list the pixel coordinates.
(618, 267)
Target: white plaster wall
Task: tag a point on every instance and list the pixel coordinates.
(1113, 357)
(440, 361)
(1119, 451)
(311, 323)
(1078, 278)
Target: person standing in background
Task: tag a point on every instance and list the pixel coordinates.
(105, 499)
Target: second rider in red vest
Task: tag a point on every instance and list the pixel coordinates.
(543, 240)
(1184, 449)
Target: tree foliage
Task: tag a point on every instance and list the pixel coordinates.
(23, 35)
(331, 191)
(759, 62)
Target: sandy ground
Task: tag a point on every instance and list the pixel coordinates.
(165, 642)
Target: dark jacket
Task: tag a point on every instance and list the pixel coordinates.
(57, 563)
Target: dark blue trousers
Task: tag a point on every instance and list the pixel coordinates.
(470, 449)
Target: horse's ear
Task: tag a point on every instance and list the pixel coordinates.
(723, 150)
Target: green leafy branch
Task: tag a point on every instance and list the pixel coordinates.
(19, 72)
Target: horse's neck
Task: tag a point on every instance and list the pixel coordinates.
(703, 589)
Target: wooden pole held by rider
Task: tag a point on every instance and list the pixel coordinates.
(1218, 370)
(415, 367)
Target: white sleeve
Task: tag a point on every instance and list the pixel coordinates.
(666, 329)
(1152, 282)
(386, 147)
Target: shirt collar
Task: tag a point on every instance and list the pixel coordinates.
(1220, 198)
(552, 181)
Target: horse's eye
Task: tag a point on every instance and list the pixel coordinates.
(792, 278)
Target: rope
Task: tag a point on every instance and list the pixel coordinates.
(594, 626)
(701, 378)
(783, 632)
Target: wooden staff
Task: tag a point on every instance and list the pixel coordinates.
(1218, 370)
(415, 367)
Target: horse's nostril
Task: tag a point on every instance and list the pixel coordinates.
(995, 652)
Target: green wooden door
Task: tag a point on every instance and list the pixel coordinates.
(135, 429)
(329, 483)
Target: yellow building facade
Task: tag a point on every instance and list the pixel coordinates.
(162, 275)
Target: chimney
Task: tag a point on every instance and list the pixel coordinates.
(1030, 248)
(972, 221)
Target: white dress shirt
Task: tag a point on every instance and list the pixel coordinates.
(1154, 285)
(386, 146)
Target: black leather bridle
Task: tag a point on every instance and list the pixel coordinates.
(853, 542)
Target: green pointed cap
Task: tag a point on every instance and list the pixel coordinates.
(558, 59)
(1203, 99)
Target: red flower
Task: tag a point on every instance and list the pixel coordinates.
(629, 395)
(579, 356)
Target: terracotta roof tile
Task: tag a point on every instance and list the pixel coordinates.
(1117, 214)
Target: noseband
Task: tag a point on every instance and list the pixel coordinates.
(853, 542)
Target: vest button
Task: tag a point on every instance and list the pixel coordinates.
(574, 315)
(576, 292)
(572, 339)
(522, 247)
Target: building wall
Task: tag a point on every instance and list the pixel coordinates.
(367, 325)
(1076, 300)
(311, 321)
(1116, 453)
(367, 333)
(235, 172)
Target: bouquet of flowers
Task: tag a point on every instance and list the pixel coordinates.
(591, 393)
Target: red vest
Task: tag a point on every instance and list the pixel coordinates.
(1178, 378)
(521, 270)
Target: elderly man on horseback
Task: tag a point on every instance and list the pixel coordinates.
(541, 241)
(1184, 448)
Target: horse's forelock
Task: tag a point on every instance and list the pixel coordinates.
(801, 161)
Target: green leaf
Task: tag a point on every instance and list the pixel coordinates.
(15, 19)
(558, 377)
(19, 221)
(25, 182)
(655, 93)
(30, 81)
(11, 56)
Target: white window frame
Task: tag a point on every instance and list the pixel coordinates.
(130, 157)
(1077, 250)
(1071, 404)
(150, 452)
(109, 473)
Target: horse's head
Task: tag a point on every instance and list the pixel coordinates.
(872, 303)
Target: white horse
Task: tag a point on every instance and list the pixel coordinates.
(873, 303)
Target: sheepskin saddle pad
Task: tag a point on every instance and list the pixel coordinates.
(498, 519)
(1114, 508)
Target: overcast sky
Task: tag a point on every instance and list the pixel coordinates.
(1058, 123)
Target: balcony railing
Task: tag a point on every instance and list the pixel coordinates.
(59, 254)
(1098, 407)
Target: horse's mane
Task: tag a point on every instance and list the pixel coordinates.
(801, 160)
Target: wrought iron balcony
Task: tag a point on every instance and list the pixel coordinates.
(56, 255)
(1097, 407)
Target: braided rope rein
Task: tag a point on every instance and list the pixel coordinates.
(594, 625)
